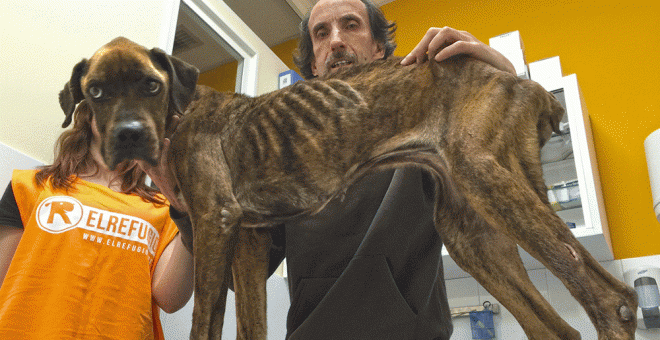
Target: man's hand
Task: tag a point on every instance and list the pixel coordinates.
(161, 174)
(446, 42)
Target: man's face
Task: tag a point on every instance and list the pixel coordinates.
(341, 35)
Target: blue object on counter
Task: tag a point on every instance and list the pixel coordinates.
(482, 325)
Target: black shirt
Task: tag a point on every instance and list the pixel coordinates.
(10, 216)
(368, 266)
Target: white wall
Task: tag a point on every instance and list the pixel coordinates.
(41, 41)
(11, 159)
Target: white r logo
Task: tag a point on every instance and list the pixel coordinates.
(58, 214)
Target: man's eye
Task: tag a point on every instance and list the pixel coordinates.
(95, 92)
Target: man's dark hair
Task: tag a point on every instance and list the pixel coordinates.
(382, 31)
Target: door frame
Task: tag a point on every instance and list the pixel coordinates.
(220, 23)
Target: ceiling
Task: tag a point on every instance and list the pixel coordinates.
(273, 21)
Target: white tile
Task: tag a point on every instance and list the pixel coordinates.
(641, 334)
(462, 330)
(651, 261)
(462, 292)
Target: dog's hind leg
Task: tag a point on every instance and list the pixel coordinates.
(487, 254)
(493, 260)
(509, 204)
(250, 271)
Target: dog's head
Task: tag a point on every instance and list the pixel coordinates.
(133, 92)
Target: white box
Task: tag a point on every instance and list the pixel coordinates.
(517, 58)
(507, 41)
(511, 46)
(546, 72)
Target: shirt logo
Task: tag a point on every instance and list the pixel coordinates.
(58, 214)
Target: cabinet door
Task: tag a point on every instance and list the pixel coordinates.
(560, 172)
(571, 173)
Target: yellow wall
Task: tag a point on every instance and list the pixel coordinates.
(285, 52)
(613, 47)
(222, 78)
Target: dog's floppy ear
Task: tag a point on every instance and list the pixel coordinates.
(183, 78)
(72, 94)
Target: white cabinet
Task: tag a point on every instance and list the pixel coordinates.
(569, 157)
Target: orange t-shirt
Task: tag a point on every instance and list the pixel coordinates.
(84, 265)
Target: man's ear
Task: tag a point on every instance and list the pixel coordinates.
(379, 53)
(315, 71)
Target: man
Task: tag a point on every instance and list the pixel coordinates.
(369, 265)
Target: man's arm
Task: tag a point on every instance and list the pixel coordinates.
(443, 43)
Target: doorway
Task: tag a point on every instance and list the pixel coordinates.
(201, 37)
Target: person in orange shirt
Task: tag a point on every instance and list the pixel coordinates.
(85, 252)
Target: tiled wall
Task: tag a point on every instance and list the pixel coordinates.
(467, 292)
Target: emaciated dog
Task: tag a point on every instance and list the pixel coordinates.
(246, 163)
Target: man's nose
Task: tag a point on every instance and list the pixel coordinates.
(337, 40)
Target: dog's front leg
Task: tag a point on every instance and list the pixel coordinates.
(250, 271)
(214, 250)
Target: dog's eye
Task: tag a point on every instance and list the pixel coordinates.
(153, 87)
(95, 92)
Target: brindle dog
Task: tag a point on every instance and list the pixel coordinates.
(243, 163)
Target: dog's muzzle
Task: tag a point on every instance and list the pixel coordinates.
(132, 140)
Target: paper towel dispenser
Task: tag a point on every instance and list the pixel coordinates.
(645, 281)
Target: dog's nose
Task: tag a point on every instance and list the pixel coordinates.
(133, 132)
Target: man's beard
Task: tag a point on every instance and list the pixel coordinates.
(339, 59)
